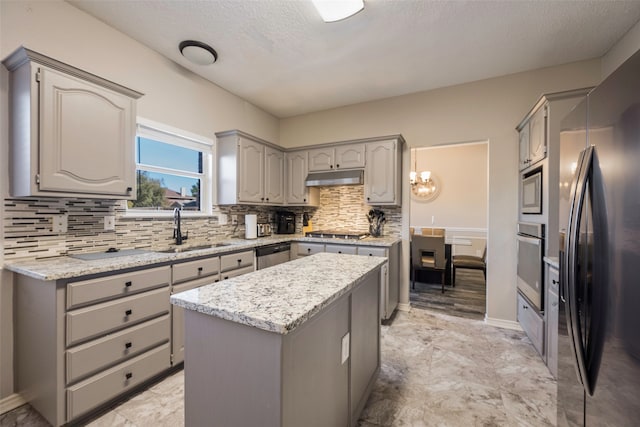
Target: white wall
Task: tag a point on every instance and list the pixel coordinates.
(462, 200)
(484, 110)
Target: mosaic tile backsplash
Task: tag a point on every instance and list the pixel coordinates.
(28, 223)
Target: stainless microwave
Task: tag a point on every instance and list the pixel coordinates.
(531, 192)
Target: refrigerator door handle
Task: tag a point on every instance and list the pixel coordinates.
(581, 186)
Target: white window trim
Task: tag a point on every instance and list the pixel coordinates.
(163, 133)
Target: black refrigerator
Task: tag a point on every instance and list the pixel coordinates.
(599, 207)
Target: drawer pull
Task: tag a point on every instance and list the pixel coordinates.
(555, 282)
(128, 375)
(308, 250)
(199, 269)
(128, 284)
(127, 345)
(525, 307)
(370, 254)
(239, 261)
(226, 277)
(128, 312)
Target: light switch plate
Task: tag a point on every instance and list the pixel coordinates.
(223, 219)
(109, 222)
(59, 223)
(345, 347)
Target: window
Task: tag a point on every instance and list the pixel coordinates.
(174, 170)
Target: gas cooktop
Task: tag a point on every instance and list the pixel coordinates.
(338, 234)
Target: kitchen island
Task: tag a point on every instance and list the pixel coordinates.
(294, 344)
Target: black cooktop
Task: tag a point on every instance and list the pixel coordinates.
(338, 234)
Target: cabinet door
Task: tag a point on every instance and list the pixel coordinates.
(552, 321)
(296, 175)
(349, 156)
(321, 159)
(538, 136)
(524, 146)
(381, 173)
(274, 176)
(87, 136)
(250, 171)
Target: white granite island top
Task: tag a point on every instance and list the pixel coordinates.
(280, 298)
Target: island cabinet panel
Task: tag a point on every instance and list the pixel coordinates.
(341, 249)
(365, 345)
(315, 378)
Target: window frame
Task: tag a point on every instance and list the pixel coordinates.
(166, 134)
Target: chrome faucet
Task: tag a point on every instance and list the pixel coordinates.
(177, 233)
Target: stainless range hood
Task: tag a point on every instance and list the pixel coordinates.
(351, 177)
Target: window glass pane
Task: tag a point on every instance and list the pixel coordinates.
(150, 152)
(161, 191)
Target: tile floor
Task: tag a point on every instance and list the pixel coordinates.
(437, 370)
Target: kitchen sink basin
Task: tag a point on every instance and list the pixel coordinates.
(178, 249)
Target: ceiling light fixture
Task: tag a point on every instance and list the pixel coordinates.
(336, 10)
(198, 52)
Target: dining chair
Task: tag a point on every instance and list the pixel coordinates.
(470, 262)
(427, 253)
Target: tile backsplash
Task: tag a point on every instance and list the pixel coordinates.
(28, 223)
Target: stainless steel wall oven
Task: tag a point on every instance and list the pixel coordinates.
(530, 243)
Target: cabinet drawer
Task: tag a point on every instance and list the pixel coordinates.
(117, 285)
(372, 251)
(238, 260)
(106, 385)
(195, 269)
(102, 318)
(95, 355)
(341, 249)
(236, 273)
(309, 248)
(532, 323)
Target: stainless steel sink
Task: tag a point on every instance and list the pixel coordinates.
(178, 249)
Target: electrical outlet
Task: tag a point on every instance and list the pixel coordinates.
(223, 219)
(59, 223)
(109, 222)
(234, 219)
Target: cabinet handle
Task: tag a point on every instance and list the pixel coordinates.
(226, 277)
(368, 198)
(129, 189)
(128, 312)
(555, 282)
(337, 166)
(128, 284)
(525, 307)
(128, 375)
(370, 254)
(331, 166)
(267, 199)
(339, 252)
(262, 199)
(239, 261)
(304, 200)
(199, 269)
(308, 250)
(127, 345)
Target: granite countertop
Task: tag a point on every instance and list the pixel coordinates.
(280, 298)
(66, 267)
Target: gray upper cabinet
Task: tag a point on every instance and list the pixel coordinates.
(72, 133)
(382, 176)
(250, 171)
(533, 138)
(348, 156)
(297, 169)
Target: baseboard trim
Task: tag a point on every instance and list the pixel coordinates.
(11, 402)
(500, 323)
(404, 307)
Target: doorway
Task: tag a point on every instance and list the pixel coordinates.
(459, 207)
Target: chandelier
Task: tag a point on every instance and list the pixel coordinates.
(425, 186)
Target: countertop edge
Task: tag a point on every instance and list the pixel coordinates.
(41, 269)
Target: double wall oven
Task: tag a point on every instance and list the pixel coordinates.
(530, 249)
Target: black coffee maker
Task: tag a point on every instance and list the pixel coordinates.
(285, 222)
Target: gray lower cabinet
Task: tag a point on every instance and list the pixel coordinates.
(82, 343)
(552, 319)
(237, 264)
(532, 323)
(304, 378)
(389, 273)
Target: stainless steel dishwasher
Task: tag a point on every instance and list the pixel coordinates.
(274, 254)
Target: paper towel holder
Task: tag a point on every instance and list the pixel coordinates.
(251, 226)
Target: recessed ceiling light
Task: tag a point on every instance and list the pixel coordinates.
(335, 10)
(198, 52)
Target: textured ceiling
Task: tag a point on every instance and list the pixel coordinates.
(280, 56)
